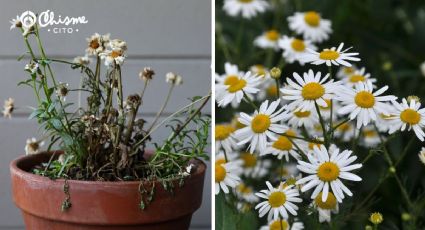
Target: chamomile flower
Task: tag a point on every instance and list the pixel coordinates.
(230, 71)
(260, 71)
(33, 146)
(62, 90)
(370, 137)
(16, 22)
(294, 49)
(308, 90)
(279, 201)
(297, 119)
(325, 208)
(311, 25)
(232, 89)
(308, 147)
(32, 67)
(252, 166)
(346, 131)
(261, 126)
(344, 71)
(325, 111)
(225, 176)
(82, 60)
(327, 170)
(332, 56)
(282, 225)
(422, 155)
(268, 39)
(96, 44)
(224, 137)
(362, 103)
(246, 193)
(283, 147)
(113, 57)
(268, 89)
(358, 76)
(410, 116)
(247, 8)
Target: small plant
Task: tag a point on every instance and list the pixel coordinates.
(105, 139)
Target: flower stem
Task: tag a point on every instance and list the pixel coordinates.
(170, 90)
(322, 123)
(247, 99)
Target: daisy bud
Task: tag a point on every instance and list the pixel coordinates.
(368, 227)
(146, 74)
(413, 97)
(406, 216)
(392, 169)
(376, 218)
(275, 73)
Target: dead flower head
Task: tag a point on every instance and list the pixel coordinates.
(8, 107)
(62, 90)
(133, 101)
(173, 78)
(82, 60)
(33, 146)
(146, 74)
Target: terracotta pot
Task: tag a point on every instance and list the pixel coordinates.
(100, 205)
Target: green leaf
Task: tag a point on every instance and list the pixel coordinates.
(35, 113)
(224, 215)
(56, 123)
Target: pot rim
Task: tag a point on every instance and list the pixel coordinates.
(15, 169)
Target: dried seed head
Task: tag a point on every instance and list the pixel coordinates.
(146, 74)
(133, 101)
(173, 78)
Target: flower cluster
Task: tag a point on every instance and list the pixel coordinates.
(292, 131)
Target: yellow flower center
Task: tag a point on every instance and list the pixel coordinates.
(291, 181)
(279, 225)
(298, 45)
(272, 91)
(369, 133)
(344, 127)
(272, 35)
(277, 199)
(245, 1)
(357, 78)
(242, 188)
(364, 99)
(260, 123)
(330, 202)
(312, 144)
(376, 218)
(220, 173)
(235, 84)
(260, 70)
(312, 18)
(115, 53)
(249, 160)
(312, 91)
(282, 143)
(328, 171)
(348, 70)
(410, 117)
(300, 114)
(223, 131)
(220, 161)
(328, 55)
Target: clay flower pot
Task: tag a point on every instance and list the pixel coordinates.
(101, 205)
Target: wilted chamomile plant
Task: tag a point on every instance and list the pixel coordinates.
(292, 141)
(105, 138)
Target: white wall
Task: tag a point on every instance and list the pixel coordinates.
(168, 35)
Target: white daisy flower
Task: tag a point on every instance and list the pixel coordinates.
(358, 76)
(32, 67)
(267, 40)
(383, 122)
(308, 90)
(327, 170)
(225, 176)
(308, 147)
(294, 49)
(282, 225)
(325, 111)
(325, 208)
(8, 107)
(233, 88)
(33, 146)
(297, 118)
(246, 193)
(262, 125)
(260, 71)
(224, 137)
(310, 25)
(279, 201)
(362, 103)
(410, 116)
(62, 90)
(422, 155)
(268, 89)
(96, 44)
(253, 167)
(283, 147)
(113, 57)
(248, 8)
(16, 22)
(344, 71)
(332, 56)
(370, 138)
(82, 60)
(346, 132)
